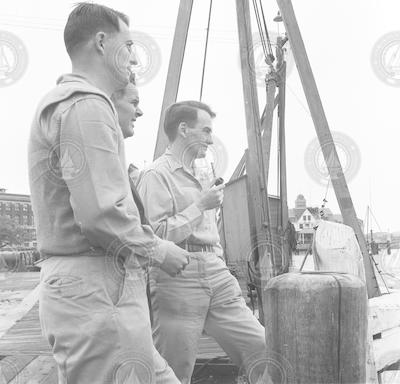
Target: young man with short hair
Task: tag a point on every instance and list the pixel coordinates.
(205, 296)
(92, 305)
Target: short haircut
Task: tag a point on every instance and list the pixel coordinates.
(86, 20)
(184, 111)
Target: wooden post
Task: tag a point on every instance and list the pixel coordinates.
(266, 137)
(254, 154)
(325, 138)
(286, 253)
(267, 122)
(174, 70)
(257, 185)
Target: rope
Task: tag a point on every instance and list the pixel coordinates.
(260, 30)
(366, 220)
(266, 34)
(305, 257)
(205, 50)
(250, 285)
(324, 201)
(327, 188)
(263, 31)
(298, 100)
(376, 222)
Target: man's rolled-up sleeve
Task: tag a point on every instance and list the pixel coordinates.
(98, 183)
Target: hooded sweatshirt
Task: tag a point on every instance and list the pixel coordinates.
(80, 191)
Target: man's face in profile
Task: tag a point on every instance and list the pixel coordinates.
(199, 135)
(119, 56)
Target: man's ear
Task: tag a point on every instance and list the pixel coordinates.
(99, 40)
(182, 129)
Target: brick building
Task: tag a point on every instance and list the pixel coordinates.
(18, 208)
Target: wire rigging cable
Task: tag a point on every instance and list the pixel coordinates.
(263, 31)
(367, 221)
(376, 221)
(260, 30)
(267, 34)
(205, 50)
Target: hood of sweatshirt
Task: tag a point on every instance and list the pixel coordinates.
(68, 85)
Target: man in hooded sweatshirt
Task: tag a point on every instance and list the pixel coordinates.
(92, 304)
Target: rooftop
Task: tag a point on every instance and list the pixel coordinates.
(4, 196)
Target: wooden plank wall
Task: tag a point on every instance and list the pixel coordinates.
(235, 229)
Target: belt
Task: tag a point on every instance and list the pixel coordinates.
(197, 247)
(92, 251)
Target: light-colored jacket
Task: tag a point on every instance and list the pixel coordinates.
(80, 191)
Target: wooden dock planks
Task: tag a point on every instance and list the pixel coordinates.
(25, 355)
(25, 337)
(18, 281)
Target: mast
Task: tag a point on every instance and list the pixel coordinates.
(174, 70)
(325, 139)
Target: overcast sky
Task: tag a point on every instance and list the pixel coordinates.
(339, 36)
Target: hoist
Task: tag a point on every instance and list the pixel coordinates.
(268, 219)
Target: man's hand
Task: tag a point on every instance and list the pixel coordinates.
(176, 258)
(211, 199)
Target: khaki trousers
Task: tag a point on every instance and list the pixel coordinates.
(95, 317)
(205, 296)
